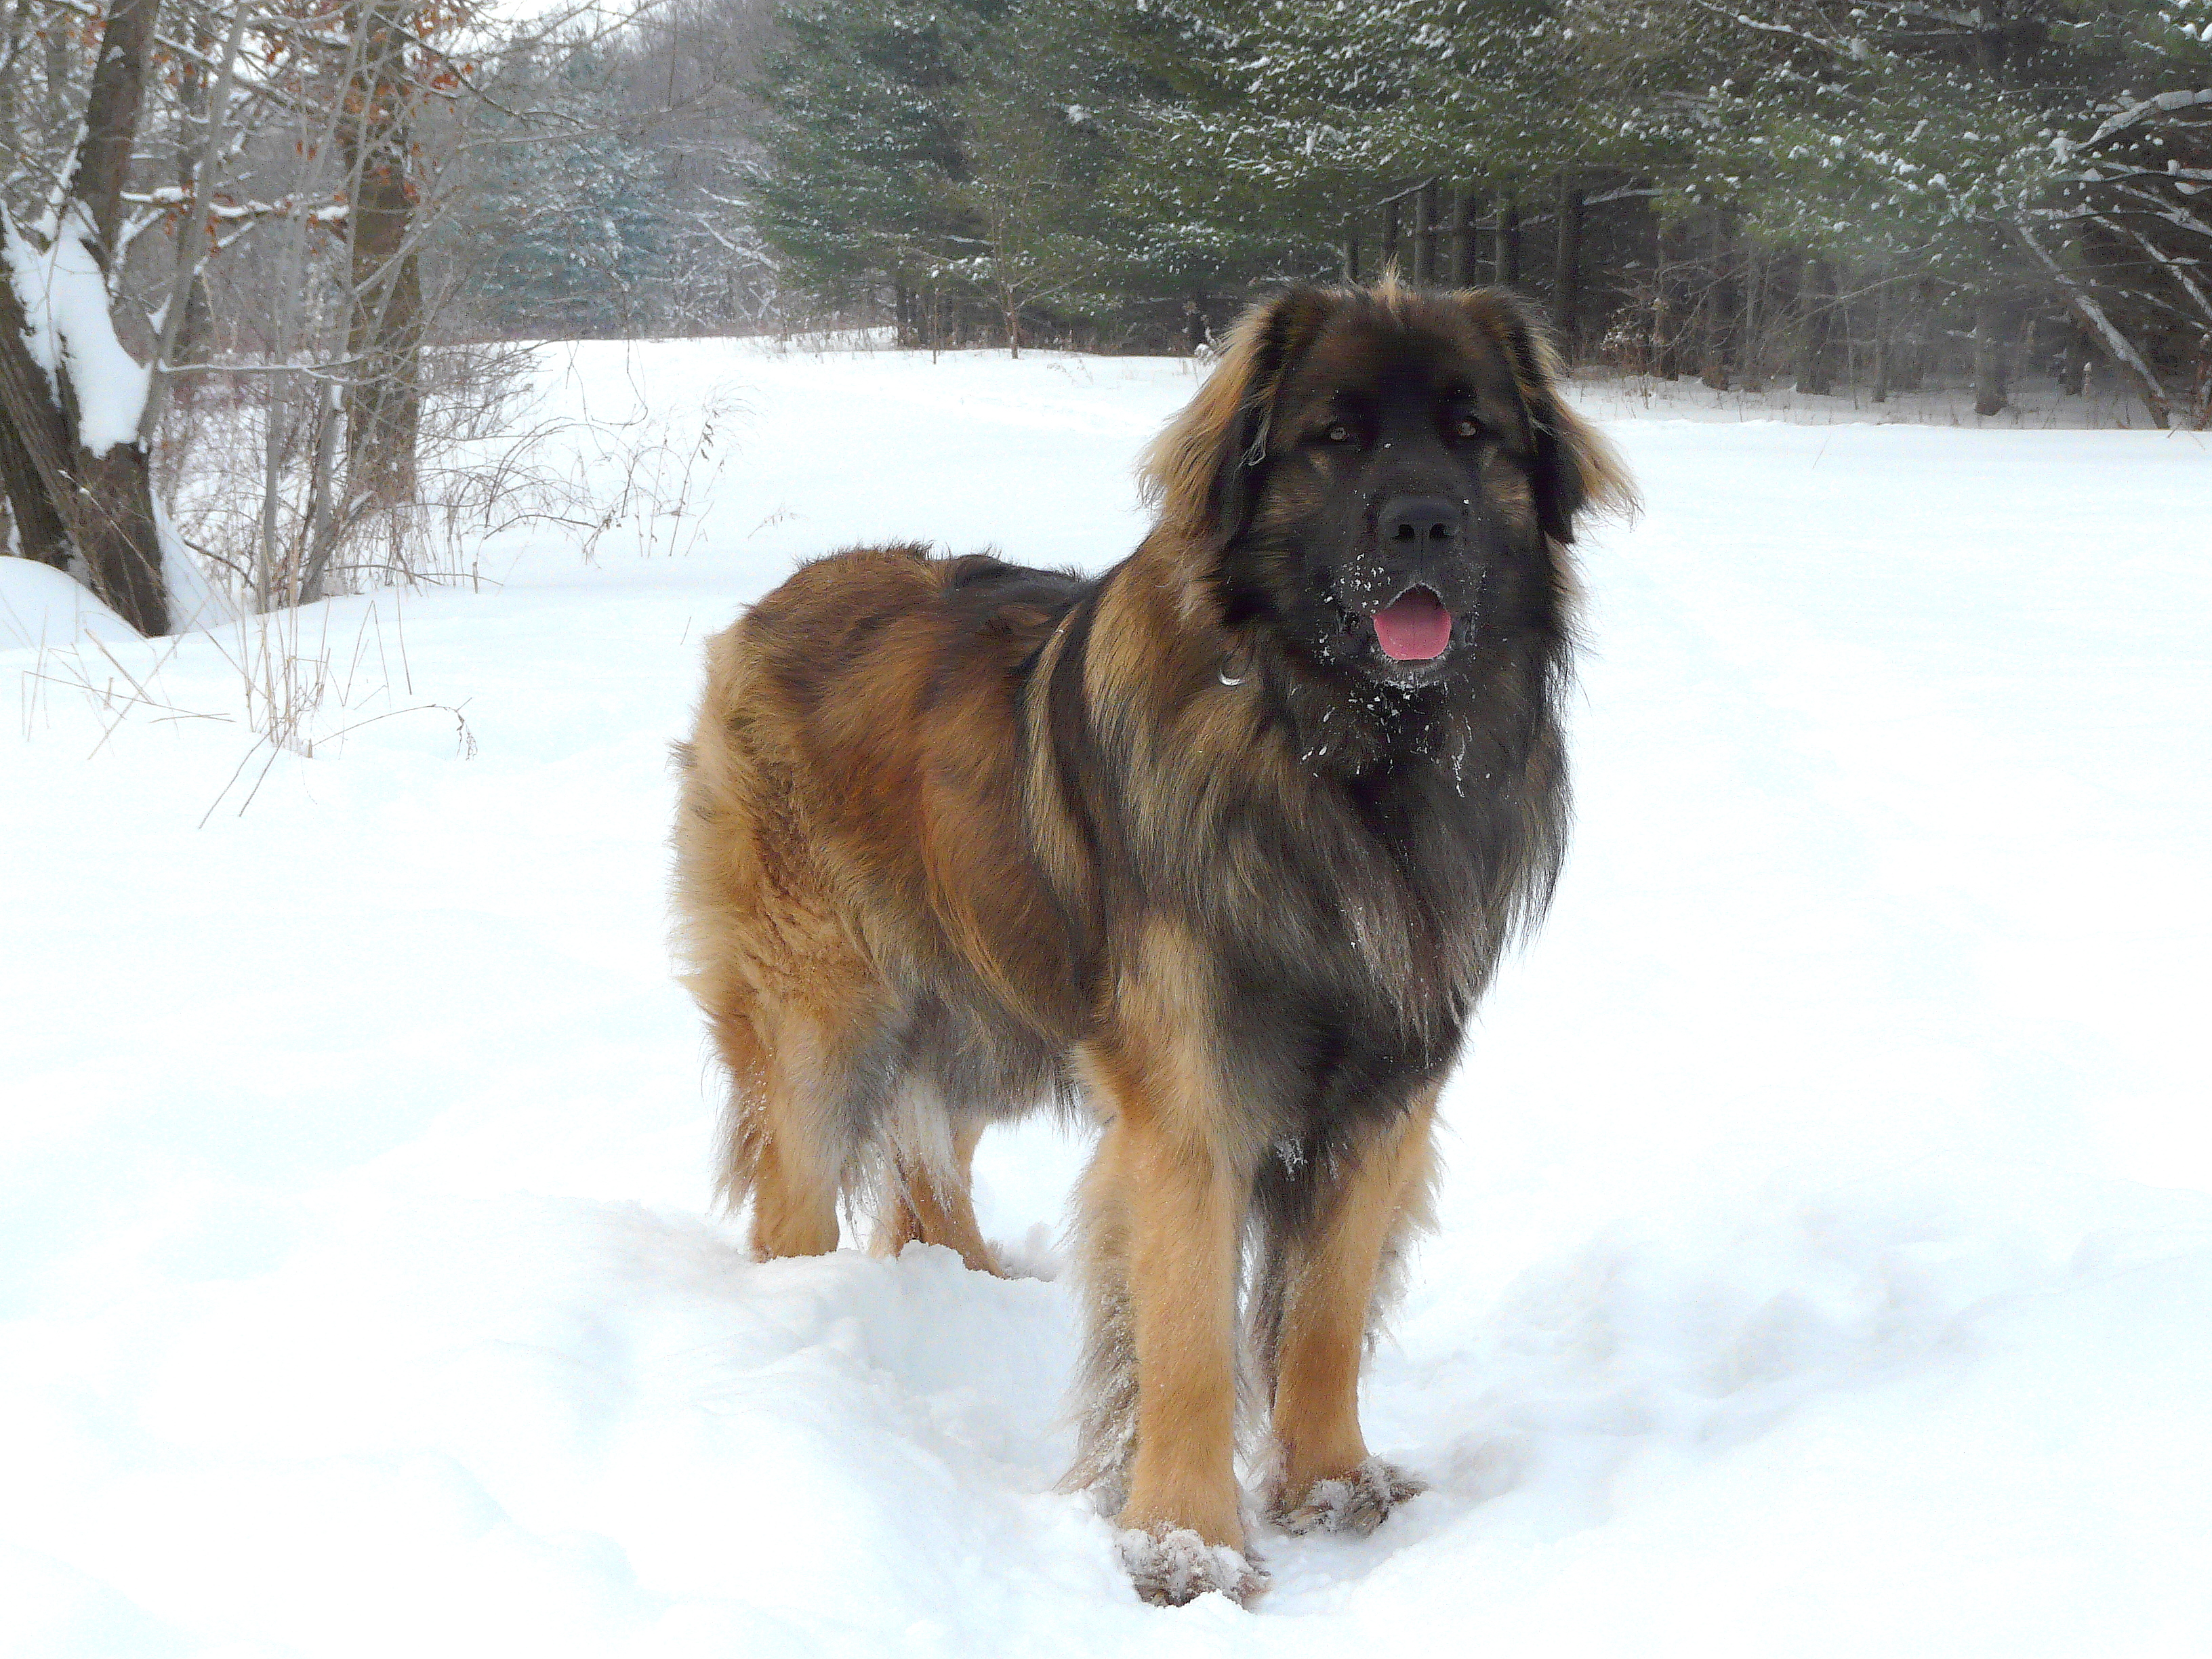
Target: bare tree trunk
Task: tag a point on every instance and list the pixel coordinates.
(1666, 306)
(1910, 349)
(1425, 233)
(1749, 361)
(39, 532)
(1467, 247)
(102, 165)
(1881, 342)
(101, 497)
(1391, 248)
(1567, 269)
(187, 291)
(1989, 354)
(1509, 247)
(384, 403)
(1351, 252)
(116, 535)
(322, 515)
(1816, 302)
(2073, 360)
(1720, 313)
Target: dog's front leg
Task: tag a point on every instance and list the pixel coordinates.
(1321, 1276)
(1165, 1206)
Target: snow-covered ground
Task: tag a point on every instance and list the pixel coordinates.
(1826, 1253)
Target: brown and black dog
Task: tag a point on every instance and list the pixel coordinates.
(1225, 842)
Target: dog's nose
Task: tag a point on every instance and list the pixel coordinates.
(1408, 522)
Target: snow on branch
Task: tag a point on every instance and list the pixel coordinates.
(751, 252)
(2165, 103)
(2175, 268)
(284, 207)
(1973, 21)
(1842, 48)
(2084, 306)
(2174, 213)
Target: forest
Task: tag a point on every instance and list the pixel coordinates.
(275, 265)
(1836, 192)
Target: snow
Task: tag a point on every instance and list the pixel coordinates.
(65, 296)
(2034, 403)
(41, 606)
(195, 602)
(1826, 1264)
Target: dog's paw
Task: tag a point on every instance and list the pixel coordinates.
(1170, 1565)
(1357, 1502)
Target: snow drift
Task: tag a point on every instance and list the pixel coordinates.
(1826, 1264)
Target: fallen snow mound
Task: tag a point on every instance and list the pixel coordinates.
(43, 608)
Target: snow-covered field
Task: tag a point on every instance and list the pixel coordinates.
(1826, 1253)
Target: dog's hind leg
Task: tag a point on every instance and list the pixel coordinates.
(806, 1095)
(929, 1199)
(769, 1156)
(1330, 1237)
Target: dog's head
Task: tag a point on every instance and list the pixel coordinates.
(1382, 479)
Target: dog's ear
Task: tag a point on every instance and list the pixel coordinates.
(1574, 470)
(1203, 471)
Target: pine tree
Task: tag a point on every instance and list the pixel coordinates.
(862, 140)
(568, 226)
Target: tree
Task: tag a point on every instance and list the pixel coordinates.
(71, 399)
(1982, 149)
(572, 223)
(862, 140)
(380, 85)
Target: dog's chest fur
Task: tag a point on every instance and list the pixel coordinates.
(1344, 870)
(1393, 894)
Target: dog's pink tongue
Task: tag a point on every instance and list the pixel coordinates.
(1414, 627)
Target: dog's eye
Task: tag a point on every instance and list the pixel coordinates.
(1467, 426)
(1337, 433)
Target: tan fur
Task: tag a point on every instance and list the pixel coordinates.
(929, 1203)
(1176, 472)
(1168, 1197)
(1329, 1305)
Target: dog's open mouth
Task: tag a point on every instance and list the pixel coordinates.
(1414, 627)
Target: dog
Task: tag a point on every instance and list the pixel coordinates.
(1225, 842)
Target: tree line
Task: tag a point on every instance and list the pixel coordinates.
(1874, 191)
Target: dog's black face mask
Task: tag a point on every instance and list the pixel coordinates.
(1394, 500)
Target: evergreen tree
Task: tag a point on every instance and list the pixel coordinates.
(864, 158)
(568, 232)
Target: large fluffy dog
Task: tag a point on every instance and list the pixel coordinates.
(1227, 841)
